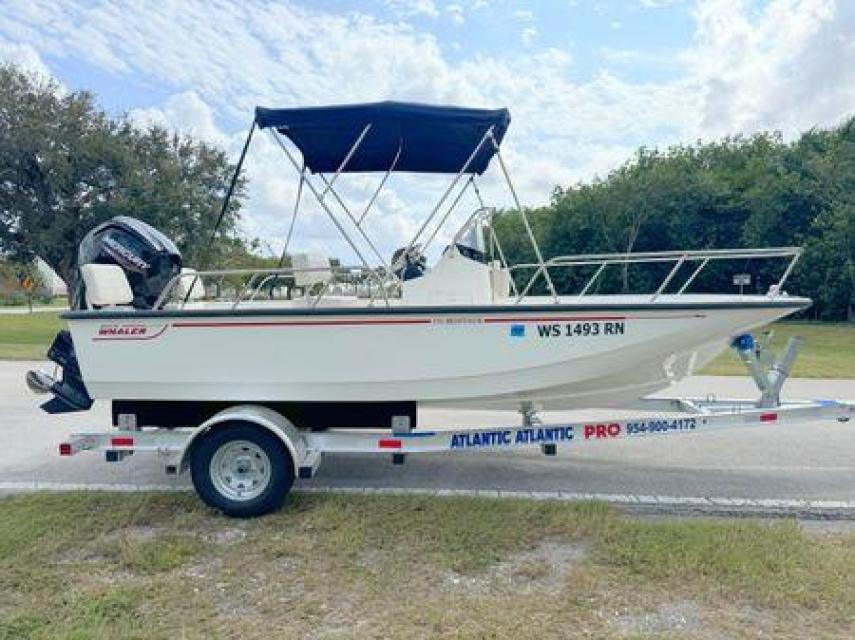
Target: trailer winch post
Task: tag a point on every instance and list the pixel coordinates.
(769, 373)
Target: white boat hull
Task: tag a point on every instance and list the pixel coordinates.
(564, 356)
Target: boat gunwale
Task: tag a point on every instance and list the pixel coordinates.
(117, 314)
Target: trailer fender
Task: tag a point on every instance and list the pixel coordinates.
(263, 417)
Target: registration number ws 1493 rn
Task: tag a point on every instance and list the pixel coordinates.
(581, 329)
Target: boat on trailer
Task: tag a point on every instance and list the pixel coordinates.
(235, 369)
(355, 346)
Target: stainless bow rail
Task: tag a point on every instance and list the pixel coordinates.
(678, 258)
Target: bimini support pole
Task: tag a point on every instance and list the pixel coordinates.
(329, 213)
(383, 181)
(329, 189)
(293, 216)
(488, 135)
(541, 265)
(204, 263)
(451, 208)
(348, 213)
(346, 159)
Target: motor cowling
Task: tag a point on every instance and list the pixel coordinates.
(148, 258)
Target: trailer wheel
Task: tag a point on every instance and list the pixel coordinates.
(242, 469)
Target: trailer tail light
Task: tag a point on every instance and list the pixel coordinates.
(389, 443)
(768, 417)
(65, 449)
(121, 441)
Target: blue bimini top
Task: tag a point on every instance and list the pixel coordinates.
(431, 139)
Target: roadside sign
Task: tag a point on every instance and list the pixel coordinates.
(741, 280)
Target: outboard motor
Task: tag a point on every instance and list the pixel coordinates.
(148, 258)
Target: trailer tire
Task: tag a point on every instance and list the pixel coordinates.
(242, 469)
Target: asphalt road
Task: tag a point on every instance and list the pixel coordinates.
(772, 465)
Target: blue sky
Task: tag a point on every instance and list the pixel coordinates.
(587, 82)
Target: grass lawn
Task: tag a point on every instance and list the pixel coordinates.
(60, 302)
(93, 565)
(828, 351)
(27, 336)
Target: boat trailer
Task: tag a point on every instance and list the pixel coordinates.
(244, 459)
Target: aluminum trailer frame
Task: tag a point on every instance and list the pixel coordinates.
(265, 452)
(174, 447)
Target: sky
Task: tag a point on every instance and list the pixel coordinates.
(587, 82)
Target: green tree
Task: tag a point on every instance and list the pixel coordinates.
(66, 167)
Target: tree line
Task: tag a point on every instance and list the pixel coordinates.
(739, 192)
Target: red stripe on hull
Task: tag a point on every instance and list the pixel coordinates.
(295, 324)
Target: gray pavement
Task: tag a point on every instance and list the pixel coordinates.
(801, 465)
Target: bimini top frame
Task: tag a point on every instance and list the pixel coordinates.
(386, 137)
(392, 137)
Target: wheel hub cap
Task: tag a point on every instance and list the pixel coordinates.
(240, 470)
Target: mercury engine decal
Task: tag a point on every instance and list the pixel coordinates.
(133, 331)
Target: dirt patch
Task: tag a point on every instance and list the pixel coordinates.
(225, 536)
(541, 569)
(680, 616)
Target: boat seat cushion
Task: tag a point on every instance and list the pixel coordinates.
(106, 285)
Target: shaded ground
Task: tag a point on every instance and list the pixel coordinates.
(157, 566)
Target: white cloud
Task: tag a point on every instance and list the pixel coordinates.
(407, 8)
(790, 65)
(24, 56)
(524, 15)
(184, 112)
